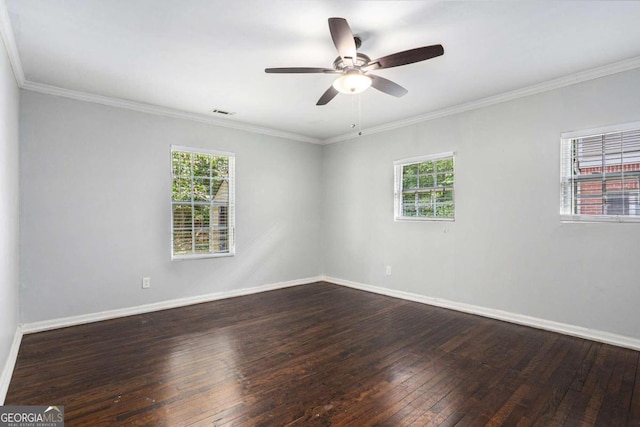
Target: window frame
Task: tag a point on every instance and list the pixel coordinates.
(230, 205)
(567, 206)
(398, 189)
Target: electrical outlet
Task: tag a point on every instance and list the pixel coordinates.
(387, 270)
(146, 282)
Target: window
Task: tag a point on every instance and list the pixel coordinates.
(202, 203)
(600, 175)
(424, 187)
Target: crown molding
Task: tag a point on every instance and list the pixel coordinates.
(6, 33)
(161, 111)
(583, 76)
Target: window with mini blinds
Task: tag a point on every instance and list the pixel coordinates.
(600, 176)
(202, 203)
(424, 187)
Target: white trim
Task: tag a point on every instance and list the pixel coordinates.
(615, 128)
(583, 76)
(162, 111)
(520, 319)
(202, 151)
(45, 325)
(421, 159)
(422, 218)
(568, 218)
(10, 364)
(6, 34)
(200, 256)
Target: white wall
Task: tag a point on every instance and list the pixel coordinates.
(95, 210)
(507, 248)
(9, 201)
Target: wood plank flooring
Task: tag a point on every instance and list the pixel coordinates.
(323, 355)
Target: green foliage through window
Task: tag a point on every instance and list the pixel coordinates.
(425, 188)
(202, 201)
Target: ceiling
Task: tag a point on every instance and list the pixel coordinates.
(198, 55)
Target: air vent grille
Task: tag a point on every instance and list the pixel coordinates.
(223, 112)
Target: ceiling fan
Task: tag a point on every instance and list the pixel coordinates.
(354, 67)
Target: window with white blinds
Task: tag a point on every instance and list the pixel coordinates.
(202, 203)
(424, 188)
(600, 176)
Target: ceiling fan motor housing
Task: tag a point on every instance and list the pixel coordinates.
(361, 61)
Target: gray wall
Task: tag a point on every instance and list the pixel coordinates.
(9, 201)
(95, 211)
(507, 248)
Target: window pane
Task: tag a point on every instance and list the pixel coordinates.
(424, 197)
(444, 211)
(409, 204)
(220, 190)
(182, 242)
(443, 196)
(426, 167)
(201, 189)
(201, 207)
(447, 195)
(425, 181)
(201, 165)
(181, 189)
(421, 189)
(409, 209)
(219, 217)
(599, 174)
(409, 182)
(425, 211)
(182, 217)
(181, 163)
(202, 240)
(219, 240)
(410, 170)
(220, 165)
(444, 165)
(444, 179)
(201, 216)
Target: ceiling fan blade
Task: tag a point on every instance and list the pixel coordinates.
(299, 70)
(343, 39)
(405, 57)
(387, 86)
(327, 96)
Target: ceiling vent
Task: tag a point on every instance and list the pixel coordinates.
(223, 112)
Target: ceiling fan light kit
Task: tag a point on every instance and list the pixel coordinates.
(352, 82)
(354, 67)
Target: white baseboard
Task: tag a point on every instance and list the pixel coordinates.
(563, 328)
(7, 371)
(45, 325)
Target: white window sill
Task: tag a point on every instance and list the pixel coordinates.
(595, 219)
(420, 219)
(200, 256)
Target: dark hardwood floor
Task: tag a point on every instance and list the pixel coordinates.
(323, 355)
